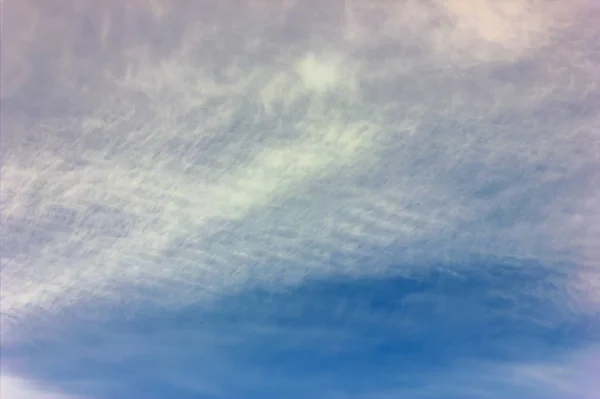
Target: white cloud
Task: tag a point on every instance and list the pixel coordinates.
(16, 388)
(171, 193)
(328, 148)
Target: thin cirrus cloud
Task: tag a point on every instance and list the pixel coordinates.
(171, 156)
(15, 388)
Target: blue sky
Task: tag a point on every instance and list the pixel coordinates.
(299, 199)
(433, 335)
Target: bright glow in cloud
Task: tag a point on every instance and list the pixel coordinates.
(325, 75)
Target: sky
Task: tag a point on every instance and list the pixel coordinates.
(301, 199)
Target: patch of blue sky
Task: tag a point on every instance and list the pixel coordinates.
(334, 337)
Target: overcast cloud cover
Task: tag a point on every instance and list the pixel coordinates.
(300, 199)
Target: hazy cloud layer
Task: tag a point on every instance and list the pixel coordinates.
(164, 156)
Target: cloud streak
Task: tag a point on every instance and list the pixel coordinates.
(171, 154)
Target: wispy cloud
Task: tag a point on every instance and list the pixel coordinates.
(16, 388)
(170, 154)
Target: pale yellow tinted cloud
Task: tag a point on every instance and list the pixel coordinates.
(463, 32)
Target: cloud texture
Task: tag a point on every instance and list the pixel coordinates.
(214, 161)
